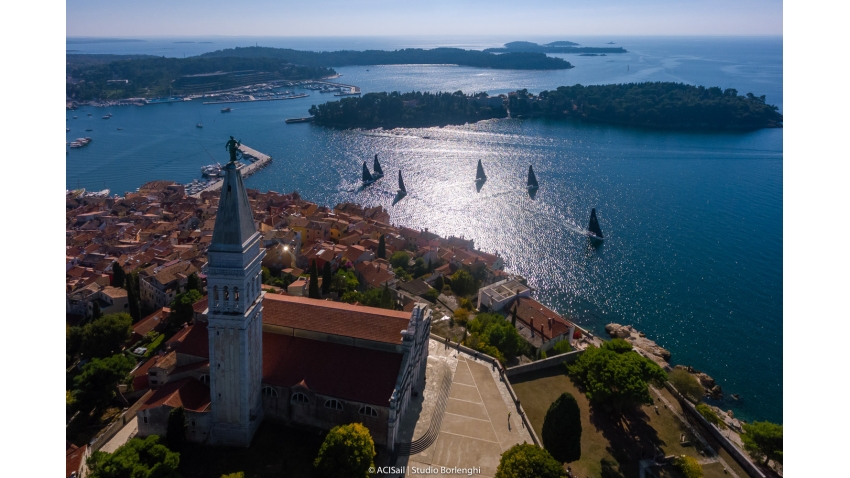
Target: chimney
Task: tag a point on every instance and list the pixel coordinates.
(532, 327)
(550, 323)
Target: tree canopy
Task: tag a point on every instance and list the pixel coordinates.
(414, 109)
(138, 458)
(710, 415)
(96, 384)
(615, 375)
(313, 287)
(382, 247)
(664, 105)
(493, 335)
(327, 277)
(348, 450)
(181, 308)
(462, 283)
(101, 337)
(562, 429)
(528, 461)
(400, 259)
(763, 440)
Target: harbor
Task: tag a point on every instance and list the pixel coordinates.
(257, 161)
(249, 98)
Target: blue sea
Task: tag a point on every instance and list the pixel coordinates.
(693, 221)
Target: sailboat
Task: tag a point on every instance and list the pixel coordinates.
(480, 177)
(594, 232)
(531, 185)
(401, 189)
(379, 173)
(367, 177)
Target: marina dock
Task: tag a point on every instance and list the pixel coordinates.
(260, 161)
(251, 98)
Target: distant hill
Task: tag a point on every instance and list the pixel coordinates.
(408, 56)
(554, 47)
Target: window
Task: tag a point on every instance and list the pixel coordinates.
(205, 379)
(145, 419)
(299, 398)
(368, 411)
(226, 294)
(152, 373)
(269, 392)
(236, 294)
(333, 405)
(215, 295)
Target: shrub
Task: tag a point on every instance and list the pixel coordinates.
(763, 440)
(561, 347)
(687, 466)
(710, 416)
(400, 259)
(686, 384)
(562, 429)
(463, 283)
(138, 457)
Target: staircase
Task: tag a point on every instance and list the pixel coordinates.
(426, 440)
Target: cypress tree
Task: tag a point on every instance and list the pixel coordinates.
(175, 435)
(387, 297)
(130, 283)
(117, 275)
(193, 282)
(313, 291)
(382, 247)
(327, 278)
(562, 429)
(95, 312)
(438, 284)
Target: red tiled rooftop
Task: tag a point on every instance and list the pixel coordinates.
(342, 371)
(194, 340)
(188, 393)
(529, 309)
(369, 323)
(74, 459)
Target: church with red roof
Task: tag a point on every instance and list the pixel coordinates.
(252, 356)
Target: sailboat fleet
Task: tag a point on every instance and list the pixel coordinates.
(593, 232)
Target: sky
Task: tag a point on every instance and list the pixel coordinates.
(123, 18)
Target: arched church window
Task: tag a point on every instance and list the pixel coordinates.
(269, 392)
(215, 296)
(333, 404)
(236, 294)
(368, 411)
(299, 398)
(226, 294)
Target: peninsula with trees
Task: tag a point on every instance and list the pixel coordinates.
(656, 105)
(513, 60)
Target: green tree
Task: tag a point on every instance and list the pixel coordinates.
(348, 450)
(432, 295)
(103, 337)
(96, 384)
(238, 474)
(382, 247)
(687, 466)
(313, 290)
(463, 283)
(138, 458)
(710, 415)
(266, 275)
(763, 440)
(493, 330)
(193, 282)
(131, 283)
(400, 259)
(181, 309)
(344, 281)
(615, 376)
(438, 283)
(528, 461)
(686, 384)
(561, 347)
(118, 275)
(562, 429)
(327, 277)
(95, 311)
(177, 428)
(351, 297)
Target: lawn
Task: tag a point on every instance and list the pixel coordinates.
(276, 451)
(611, 445)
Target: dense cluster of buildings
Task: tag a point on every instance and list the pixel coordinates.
(251, 352)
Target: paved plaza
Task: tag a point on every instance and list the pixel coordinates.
(475, 429)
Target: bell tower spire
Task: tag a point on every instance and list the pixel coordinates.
(235, 319)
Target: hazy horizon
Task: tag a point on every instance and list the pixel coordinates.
(267, 18)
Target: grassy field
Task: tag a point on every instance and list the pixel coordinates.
(611, 445)
(276, 451)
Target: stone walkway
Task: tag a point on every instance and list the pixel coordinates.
(475, 429)
(123, 436)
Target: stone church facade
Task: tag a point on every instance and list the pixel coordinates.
(290, 359)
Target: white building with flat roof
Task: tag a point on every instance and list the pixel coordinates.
(495, 296)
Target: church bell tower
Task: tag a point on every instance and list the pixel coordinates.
(235, 317)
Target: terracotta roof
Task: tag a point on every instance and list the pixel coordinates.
(151, 322)
(140, 375)
(535, 314)
(201, 305)
(342, 371)
(369, 323)
(74, 459)
(194, 340)
(190, 366)
(188, 393)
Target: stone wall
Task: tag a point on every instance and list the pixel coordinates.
(568, 357)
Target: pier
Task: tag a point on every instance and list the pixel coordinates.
(260, 161)
(251, 98)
